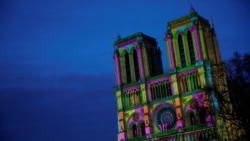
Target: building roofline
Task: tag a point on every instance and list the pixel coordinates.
(138, 34)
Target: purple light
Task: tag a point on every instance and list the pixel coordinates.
(122, 136)
(148, 131)
(117, 69)
(130, 88)
(197, 43)
(127, 43)
(179, 125)
(149, 93)
(209, 120)
(171, 55)
(138, 49)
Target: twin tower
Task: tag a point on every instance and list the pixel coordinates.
(174, 105)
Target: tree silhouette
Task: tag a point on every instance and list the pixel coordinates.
(238, 82)
(235, 99)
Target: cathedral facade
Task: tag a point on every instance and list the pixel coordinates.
(173, 105)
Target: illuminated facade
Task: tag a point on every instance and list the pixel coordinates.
(176, 105)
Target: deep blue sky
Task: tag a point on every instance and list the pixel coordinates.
(56, 67)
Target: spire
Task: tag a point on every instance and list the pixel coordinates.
(212, 22)
(212, 26)
(118, 37)
(192, 9)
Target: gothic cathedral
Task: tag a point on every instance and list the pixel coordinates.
(174, 105)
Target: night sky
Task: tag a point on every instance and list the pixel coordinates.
(56, 67)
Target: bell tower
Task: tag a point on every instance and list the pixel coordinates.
(194, 56)
(137, 58)
(190, 40)
(175, 105)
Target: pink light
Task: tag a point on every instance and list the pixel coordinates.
(199, 98)
(179, 125)
(209, 120)
(171, 55)
(197, 43)
(139, 110)
(138, 49)
(147, 130)
(122, 136)
(127, 42)
(149, 93)
(117, 69)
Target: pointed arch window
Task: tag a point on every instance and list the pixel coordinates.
(181, 50)
(143, 129)
(169, 93)
(191, 47)
(136, 65)
(192, 119)
(134, 130)
(127, 65)
(202, 115)
(160, 90)
(163, 89)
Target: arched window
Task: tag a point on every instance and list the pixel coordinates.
(184, 84)
(181, 87)
(169, 93)
(137, 99)
(166, 118)
(160, 90)
(191, 47)
(125, 100)
(136, 65)
(134, 130)
(193, 82)
(182, 53)
(159, 94)
(127, 65)
(163, 89)
(157, 91)
(198, 80)
(143, 129)
(202, 116)
(192, 119)
(152, 92)
(130, 99)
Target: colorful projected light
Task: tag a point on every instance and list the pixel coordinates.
(172, 105)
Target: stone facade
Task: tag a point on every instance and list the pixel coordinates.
(174, 105)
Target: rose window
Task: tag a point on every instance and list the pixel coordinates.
(166, 118)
